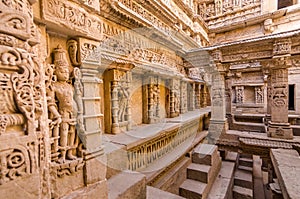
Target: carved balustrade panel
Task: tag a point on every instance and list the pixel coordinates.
(147, 153)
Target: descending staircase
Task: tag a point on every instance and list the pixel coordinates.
(243, 178)
(202, 172)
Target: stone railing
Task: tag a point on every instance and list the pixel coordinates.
(141, 156)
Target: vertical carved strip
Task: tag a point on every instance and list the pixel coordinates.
(114, 107)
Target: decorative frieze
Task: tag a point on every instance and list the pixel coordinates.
(68, 14)
(282, 47)
(141, 13)
(219, 13)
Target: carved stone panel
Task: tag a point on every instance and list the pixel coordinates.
(152, 91)
(173, 98)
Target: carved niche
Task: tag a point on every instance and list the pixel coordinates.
(239, 90)
(64, 99)
(259, 95)
(120, 100)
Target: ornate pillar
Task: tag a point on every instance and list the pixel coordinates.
(174, 97)
(198, 95)
(88, 58)
(279, 127)
(151, 91)
(117, 88)
(218, 122)
(191, 93)
(204, 95)
(183, 97)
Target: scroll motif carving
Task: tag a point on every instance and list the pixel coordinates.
(14, 163)
(21, 89)
(73, 52)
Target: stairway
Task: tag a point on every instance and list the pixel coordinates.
(202, 172)
(243, 178)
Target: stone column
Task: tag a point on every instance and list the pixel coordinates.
(205, 90)
(279, 127)
(218, 122)
(174, 97)
(191, 94)
(152, 99)
(95, 161)
(114, 108)
(198, 95)
(183, 97)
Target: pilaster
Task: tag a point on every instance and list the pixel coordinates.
(279, 127)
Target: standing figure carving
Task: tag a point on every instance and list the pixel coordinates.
(63, 109)
(123, 101)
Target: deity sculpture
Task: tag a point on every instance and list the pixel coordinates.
(123, 101)
(62, 107)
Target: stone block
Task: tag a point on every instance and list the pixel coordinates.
(280, 131)
(203, 173)
(193, 189)
(243, 179)
(205, 154)
(96, 190)
(95, 170)
(127, 185)
(242, 193)
(222, 187)
(154, 193)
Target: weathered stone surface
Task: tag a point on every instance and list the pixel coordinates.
(127, 185)
(154, 193)
(205, 154)
(286, 164)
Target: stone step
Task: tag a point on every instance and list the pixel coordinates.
(199, 172)
(205, 154)
(243, 179)
(222, 186)
(245, 168)
(245, 155)
(193, 189)
(119, 186)
(242, 193)
(155, 193)
(231, 156)
(246, 162)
